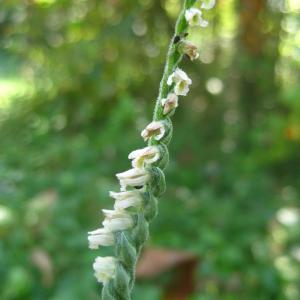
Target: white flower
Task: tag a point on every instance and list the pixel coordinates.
(190, 49)
(116, 220)
(181, 80)
(105, 268)
(126, 199)
(133, 177)
(100, 237)
(155, 129)
(194, 17)
(169, 103)
(208, 4)
(147, 155)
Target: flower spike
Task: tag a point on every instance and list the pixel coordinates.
(126, 227)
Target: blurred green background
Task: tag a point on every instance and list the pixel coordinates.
(78, 82)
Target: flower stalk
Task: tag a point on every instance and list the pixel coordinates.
(126, 227)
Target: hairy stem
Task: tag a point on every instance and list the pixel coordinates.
(173, 59)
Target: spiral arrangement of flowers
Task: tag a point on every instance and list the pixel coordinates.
(126, 227)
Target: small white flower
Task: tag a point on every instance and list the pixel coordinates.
(105, 268)
(133, 177)
(169, 103)
(189, 49)
(155, 129)
(194, 17)
(126, 199)
(181, 80)
(116, 220)
(147, 155)
(100, 237)
(208, 4)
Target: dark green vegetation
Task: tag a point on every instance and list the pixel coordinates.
(78, 81)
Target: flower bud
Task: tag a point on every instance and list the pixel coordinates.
(169, 103)
(189, 49)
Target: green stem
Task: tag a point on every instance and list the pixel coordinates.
(173, 59)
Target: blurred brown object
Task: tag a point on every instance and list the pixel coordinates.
(38, 210)
(155, 262)
(43, 262)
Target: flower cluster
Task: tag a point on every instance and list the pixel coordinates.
(179, 80)
(137, 181)
(132, 183)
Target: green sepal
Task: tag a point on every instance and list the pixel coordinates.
(171, 113)
(158, 183)
(121, 283)
(140, 232)
(151, 206)
(125, 251)
(163, 160)
(107, 292)
(169, 131)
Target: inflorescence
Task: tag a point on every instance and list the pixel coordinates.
(125, 228)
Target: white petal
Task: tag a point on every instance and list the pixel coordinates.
(204, 23)
(98, 231)
(170, 79)
(109, 213)
(132, 173)
(193, 15)
(123, 195)
(117, 224)
(135, 153)
(104, 268)
(123, 204)
(127, 199)
(100, 240)
(208, 4)
(181, 75)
